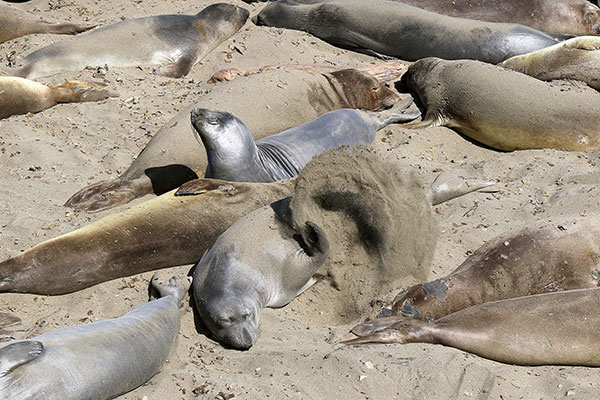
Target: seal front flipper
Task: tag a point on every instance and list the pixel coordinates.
(199, 186)
(176, 69)
(16, 354)
(432, 119)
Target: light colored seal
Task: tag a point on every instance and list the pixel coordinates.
(288, 99)
(260, 261)
(133, 241)
(552, 328)
(100, 360)
(234, 156)
(15, 23)
(175, 42)
(22, 96)
(381, 27)
(577, 58)
(504, 109)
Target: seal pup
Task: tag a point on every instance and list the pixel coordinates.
(100, 360)
(174, 155)
(504, 109)
(15, 23)
(386, 28)
(552, 328)
(551, 258)
(233, 155)
(174, 42)
(133, 241)
(22, 96)
(577, 58)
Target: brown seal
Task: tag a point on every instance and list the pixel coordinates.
(577, 58)
(22, 96)
(133, 241)
(504, 109)
(15, 23)
(288, 99)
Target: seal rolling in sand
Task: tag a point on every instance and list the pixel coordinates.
(174, 42)
(100, 360)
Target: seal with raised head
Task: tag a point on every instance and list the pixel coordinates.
(381, 27)
(174, 42)
(577, 58)
(133, 241)
(504, 109)
(553, 328)
(100, 360)
(233, 155)
(15, 23)
(22, 96)
(288, 99)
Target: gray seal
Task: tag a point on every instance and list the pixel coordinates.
(381, 27)
(260, 261)
(233, 155)
(175, 42)
(100, 360)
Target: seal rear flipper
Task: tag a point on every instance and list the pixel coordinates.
(67, 28)
(375, 325)
(106, 194)
(81, 91)
(432, 119)
(450, 184)
(16, 354)
(199, 186)
(394, 330)
(175, 286)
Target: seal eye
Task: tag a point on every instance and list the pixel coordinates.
(224, 321)
(590, 15)
(375, 89)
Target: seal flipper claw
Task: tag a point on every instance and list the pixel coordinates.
(16, 354)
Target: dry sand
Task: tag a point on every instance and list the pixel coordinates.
(48, 156)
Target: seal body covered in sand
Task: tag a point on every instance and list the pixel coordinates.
(577, 58)
(100, 360)
(399, 30)
(22, 96)
(504, 109)
(175, 42)
(174, 155)
(15, 23)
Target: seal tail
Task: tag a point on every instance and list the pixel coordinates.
(104, 195)
(81, 91)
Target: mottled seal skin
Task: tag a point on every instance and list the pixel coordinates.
(133, 241)
(381, 27)
(100, 360)
(504, 109)
(553, 328)
(175, 156)
(22, 96)
(233, 155)
(577, 58)
(15, 23)
(175, 42)
(532, 261)
(260, 261)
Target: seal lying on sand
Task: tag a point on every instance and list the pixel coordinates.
(553, 328)
(381, 27)
(15, 22)
(504, 109)
(473, 308)
(133, 241)
(175, 42)
(577, 58)
(100, 360)
(233, 155)
(288, 98)
(22, 96)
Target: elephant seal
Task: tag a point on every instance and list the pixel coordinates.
(22, 96)
(15, 23)
(552, 328)
(289, 98)
(260, 261)
(504, 109)
(556, 258)
(576, 58)
(133, 241)
(382, 27)
(175, 42)
(234, 156)
(100, 360)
